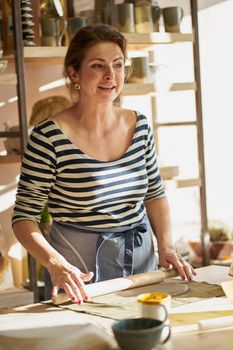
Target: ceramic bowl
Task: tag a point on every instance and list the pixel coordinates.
(138, 333)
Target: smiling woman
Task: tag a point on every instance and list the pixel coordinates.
(94, 165)
(102, 71)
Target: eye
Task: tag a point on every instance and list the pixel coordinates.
(97, 66)
(118, 65)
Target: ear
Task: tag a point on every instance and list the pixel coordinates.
(73, 74)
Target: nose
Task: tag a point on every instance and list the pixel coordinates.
(109, 73)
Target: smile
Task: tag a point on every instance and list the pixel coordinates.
(106, 87)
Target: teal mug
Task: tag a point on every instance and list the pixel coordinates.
(140, 333)
(74, 24)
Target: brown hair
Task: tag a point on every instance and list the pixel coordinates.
(83, 40)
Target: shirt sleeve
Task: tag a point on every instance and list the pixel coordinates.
(156, 187)
(38, 172)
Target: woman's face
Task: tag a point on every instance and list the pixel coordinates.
(101, 75)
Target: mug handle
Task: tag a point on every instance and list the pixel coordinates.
(169, 334)
(182, 13)
(166, 325)
(165, 313)
(63, 25)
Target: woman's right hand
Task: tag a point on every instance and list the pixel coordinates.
(70, 279)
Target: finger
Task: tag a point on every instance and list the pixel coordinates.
(74, 283)
(188, 271)
(193, 272)
(189, 267)
(81, 287)
(169, 260)
(177, 262)
(70, 293)
(165, 262)
(180, 269)
(85, 277)
(168, 267)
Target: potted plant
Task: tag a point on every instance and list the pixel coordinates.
(221, 238)
(221, 243)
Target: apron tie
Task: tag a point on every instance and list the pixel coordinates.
(133, 239)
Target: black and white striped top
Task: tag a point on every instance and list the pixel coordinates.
(82, 190)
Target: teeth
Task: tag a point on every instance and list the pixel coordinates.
(106, 87)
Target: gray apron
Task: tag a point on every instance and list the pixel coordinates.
(116, 252)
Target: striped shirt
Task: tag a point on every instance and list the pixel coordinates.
(82, 190)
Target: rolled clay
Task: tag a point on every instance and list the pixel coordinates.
(117, 284)
(215, 323)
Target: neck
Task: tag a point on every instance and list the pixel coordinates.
(96, 117)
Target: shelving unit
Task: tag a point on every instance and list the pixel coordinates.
(17, 79)
(136, 41)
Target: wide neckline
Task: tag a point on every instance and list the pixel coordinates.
(87, 156)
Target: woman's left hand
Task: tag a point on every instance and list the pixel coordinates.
(170, 259)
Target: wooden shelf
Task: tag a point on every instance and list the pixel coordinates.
(45, 54)
(183, 123)
(8, 79)
(137, 89)
(147, 39)
(55, 55)
(183, 86)
(8, 159)
(182, 183)
(150, 88)
(169, 172)
(177, 183)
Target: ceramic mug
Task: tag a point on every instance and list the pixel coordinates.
(125, 18)
(172, 17)
(52, 30)
(140, 70)
(143, 19)
(74, 24)
(154, 305)
(139, 333)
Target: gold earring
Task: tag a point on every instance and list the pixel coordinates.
(77, 86)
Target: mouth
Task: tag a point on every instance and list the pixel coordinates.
(107, 87)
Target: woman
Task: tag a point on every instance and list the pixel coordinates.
(94, 166)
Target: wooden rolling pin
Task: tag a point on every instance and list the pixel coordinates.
(117, 284)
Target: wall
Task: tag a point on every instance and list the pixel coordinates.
(216, 28)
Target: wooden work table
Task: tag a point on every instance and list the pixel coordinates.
(43, 326)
